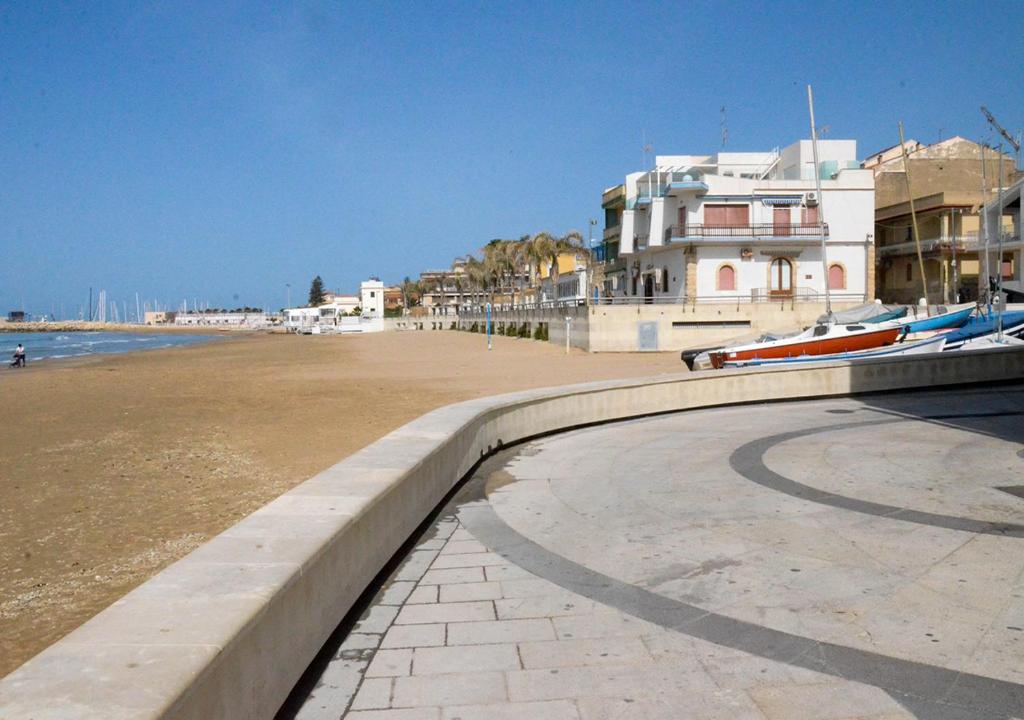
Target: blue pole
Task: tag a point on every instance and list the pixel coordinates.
(488, 326)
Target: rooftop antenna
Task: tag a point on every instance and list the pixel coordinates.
(1014, 142)
(725, 128)
(645, 148)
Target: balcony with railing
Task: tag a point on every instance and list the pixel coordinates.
(756, 231)
(640, 242)
(962, 242)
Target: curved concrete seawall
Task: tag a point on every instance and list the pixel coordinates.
(227, 631)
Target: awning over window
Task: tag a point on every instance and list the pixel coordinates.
(782, 200)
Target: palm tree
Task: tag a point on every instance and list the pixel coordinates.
(410, 290)
(572, 242)
(542, 249)
(478, 275)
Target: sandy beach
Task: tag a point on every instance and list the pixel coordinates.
(112, 467)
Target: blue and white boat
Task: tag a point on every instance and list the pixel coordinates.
(942, 321)
(983, 326)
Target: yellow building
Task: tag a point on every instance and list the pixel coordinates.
(946, 179)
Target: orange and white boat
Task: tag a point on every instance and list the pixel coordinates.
(816, 340)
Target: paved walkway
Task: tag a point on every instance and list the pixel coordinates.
(835, 559)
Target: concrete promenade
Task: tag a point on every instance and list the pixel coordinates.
(842, 558)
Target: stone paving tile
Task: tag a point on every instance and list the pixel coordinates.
(458, 689)
(333, 690)
(461, 534)
(508, 572)
(467, 560)
(423, 594)
(731, 669)
(377, 619)
(500, 631)
(388, 663)
(554, 710)
(434, 544)
(453, 575)
(373, 694)
(671, 707)
(458, 547)
(527, 587)
(446, 613)
(823, 701)
(544, 606)
(397, 714)
(465, 592)
(597, 651)
(407, 636)
(415, 565)
(465, 658)
(602, 624)
(627, 681)
(359, 641)
(397, 592)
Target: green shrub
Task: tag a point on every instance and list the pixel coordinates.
(474, 328)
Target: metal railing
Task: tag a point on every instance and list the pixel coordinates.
(640, 241)
(755, 295)
(965, 242)
(773, 230)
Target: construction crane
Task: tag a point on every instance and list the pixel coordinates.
(1014, 141)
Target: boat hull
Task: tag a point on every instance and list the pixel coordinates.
(940, 322)
(809, 346)
(1013, 324)
(921, 347)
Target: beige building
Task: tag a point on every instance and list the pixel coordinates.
(947, 181)
(159, 317)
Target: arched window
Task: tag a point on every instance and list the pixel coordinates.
(836, 277)
(780, 278)
(727, 278)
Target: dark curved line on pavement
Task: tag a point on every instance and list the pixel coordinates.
(928, 691)
(748, 461)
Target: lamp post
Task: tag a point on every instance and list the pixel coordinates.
(288, 295)
(590, 249)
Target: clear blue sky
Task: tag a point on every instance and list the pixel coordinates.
(225, 150)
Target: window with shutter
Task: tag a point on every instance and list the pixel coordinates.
(727, 278)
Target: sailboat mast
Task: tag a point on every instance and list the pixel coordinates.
(913, 215)
(999, 247)
(984, 230)
(821, 204)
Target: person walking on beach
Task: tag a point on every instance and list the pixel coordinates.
(19, 356)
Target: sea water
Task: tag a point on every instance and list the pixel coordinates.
(55, 345)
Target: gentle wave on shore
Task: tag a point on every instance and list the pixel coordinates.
(57, 345)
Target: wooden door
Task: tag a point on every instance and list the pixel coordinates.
(780, 278)
(781, 221)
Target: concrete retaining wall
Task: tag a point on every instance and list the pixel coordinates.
(227, 631)
(665, 327)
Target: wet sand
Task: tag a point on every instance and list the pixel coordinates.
(113, 467)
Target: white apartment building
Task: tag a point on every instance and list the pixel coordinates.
(336, 315)
(747, 226)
